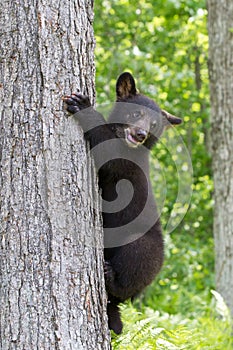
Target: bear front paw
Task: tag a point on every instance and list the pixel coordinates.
(76, 102)
(109, 273)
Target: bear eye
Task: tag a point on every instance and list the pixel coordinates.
(137, 115)
(153, 124)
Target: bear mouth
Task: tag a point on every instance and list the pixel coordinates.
(135, 136)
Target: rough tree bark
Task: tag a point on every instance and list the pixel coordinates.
(52, 293)
(220, 25)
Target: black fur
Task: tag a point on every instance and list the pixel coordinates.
(133, 256)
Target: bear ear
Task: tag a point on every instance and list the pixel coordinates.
(125, 86)
(171, 118)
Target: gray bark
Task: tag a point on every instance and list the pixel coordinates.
(220, 25)
(52, 293)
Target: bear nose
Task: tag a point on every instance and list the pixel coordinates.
(141, 134)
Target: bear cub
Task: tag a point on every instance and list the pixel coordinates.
(132, 233)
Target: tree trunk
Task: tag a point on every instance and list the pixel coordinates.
(52, 292)
(221, 86)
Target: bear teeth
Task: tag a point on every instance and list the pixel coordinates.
(130, 139)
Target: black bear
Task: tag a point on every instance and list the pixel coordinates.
(133, 238)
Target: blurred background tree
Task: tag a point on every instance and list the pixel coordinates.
(220, 27)
(165, 45)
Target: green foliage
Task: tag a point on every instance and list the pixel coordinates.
(165, 44)
(148, 329)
